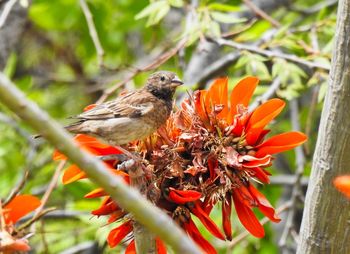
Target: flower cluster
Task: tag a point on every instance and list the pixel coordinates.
(12, 241)
(209, 152)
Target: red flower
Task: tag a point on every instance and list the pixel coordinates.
(17, 208)
(232, 149)
(209, 151)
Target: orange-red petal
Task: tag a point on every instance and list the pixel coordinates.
(280, 143)
(199, 104)
(247, 217)
(72, 174)
(118, 234)
(226, 216)
(260, 174)
(194, 233)
(96, 193)
(183, 196)
(20, 206)
(161, 248)
(264, 205)
(131, 248)
(264, 114)
(57, 155)
(342, 183)
(217, 95)
(242, 93)
(108, 206)
(253, 162)
(206, 220)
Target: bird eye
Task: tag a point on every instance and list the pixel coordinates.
(162, 78)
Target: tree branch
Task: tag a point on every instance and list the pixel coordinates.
(92, 31)
(271, 54)
(300, 162)
(325, 223)
(129, 199)
(6, 12)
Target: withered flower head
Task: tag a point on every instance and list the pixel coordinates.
(210, 150)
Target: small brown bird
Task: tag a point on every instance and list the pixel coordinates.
(132, 116)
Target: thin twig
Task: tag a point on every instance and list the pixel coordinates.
(50, 188)
(92, 31)
(258, 11)
(317, 7)
(153, 65)
(288, 179)
(18, 188)
(226, 61)
(84, 247)
(35, 218)
(128, 198)
(263, 221)
(271, 54)
(7, 9)
(300, 162)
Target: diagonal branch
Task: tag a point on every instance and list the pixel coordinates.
(271, 54)
(129, 199)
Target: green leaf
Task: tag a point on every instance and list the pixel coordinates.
(242, 61)
(214, 29)
(176, 3)
(155, 17)
(151, 9)
(226, 18)
(254, 32)
(322, 92)
(223, 7)
(11, 64)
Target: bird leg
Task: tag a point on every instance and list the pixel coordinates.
(118, 157)
(134, 168)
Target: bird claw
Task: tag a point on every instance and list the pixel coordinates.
(127, 165)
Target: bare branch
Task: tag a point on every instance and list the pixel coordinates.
(50, 188)
(19, 187)
(271, 54)
(128, 198)
(300, 162)
(288, 179)
(7, 9)
(35, 218)
(92, 31)
(261, 13)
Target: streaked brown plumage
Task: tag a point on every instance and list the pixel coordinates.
(133, 116)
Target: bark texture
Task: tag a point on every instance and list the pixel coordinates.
(325, 226)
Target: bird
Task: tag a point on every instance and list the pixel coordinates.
(133, 116)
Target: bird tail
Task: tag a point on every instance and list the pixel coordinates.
(73, 128)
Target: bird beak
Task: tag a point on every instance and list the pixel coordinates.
(175, 82)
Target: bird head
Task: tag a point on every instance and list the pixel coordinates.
(163, 84)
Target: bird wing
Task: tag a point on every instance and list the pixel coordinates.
(130, 105)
